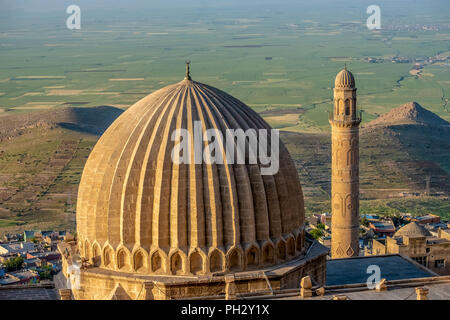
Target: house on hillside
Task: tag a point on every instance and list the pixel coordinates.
(416, 242)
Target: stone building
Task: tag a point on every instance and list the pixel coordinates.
(149, 228)
(344, 121)
(414, 241)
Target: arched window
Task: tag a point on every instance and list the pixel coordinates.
(156, 262)
(138, 261)
(176, 264)
(268, 254)
(96, 255)
(216, 261)
(234, 261)
(196, 263)
(121, 259)
(252, 257)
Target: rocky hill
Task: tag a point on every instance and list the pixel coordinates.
(409, 113)
(399, 151)
(93, 120)
(42, 155)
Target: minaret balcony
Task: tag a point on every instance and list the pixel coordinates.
(345, 120)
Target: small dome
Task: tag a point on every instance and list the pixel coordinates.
(137, 211)
(344, 79)
(412, 229)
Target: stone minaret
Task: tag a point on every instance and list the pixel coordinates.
(345, 122)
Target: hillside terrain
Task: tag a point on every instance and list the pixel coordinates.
(42, 155)
(399, 151)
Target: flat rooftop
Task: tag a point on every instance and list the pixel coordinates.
(438, 291)
(354, 270)
(28, 292)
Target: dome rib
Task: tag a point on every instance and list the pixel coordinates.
(230, 115)
(156, 184)
(196, 183)
(244, 200)
(138, 161)
(239, 216)
(178, 195)
(281, 198)
(214, 124)
(112, 229)
(226, 172)
(248, 222)
(128, 213)
(163, 175)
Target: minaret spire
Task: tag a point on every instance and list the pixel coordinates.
(188, 71)
(344, 121)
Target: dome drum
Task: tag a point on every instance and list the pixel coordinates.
(197, 261)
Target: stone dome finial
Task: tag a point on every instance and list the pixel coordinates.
(344, 79)
(188, 70)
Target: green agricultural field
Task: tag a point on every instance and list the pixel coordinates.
(265, 57)
(279, 57)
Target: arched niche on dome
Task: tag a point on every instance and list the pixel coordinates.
(281, 250)
(196, 263)
(176, 264)
(268, 254)
(157, 262)
(108, 257)
(96, 255)
(290, 246)
(139, 264)
(122, 259)
(216, 261)
(234, 260)
(252, 257)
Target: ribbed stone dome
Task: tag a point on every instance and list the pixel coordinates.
(344, 79)
(138, 211)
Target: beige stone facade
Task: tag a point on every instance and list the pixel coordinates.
(345, 122)
(415, 242)
(147, 225)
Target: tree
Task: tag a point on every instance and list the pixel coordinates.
(13, 264)
(45, 273)
(316, 233)
(321, 226)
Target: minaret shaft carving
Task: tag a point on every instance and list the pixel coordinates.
(345, 122)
